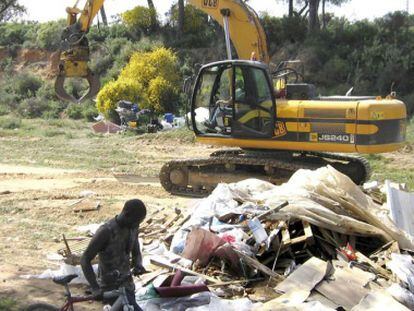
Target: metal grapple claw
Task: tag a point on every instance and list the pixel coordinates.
(74, 64)
(94, 86)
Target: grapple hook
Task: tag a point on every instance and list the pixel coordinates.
(94, 86)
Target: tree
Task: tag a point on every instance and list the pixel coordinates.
(181, 17)
(313, 20)
(311, 8)
(10, 9)
(290, 8)
(140, 18)
(154, 20)
(103, 15)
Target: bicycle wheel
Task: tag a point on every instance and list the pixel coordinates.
(41, 307)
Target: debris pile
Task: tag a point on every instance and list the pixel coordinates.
(316, 242)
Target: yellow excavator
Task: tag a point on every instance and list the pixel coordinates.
(274, 121)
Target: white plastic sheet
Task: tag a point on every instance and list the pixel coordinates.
(64, 270)
(403, 267)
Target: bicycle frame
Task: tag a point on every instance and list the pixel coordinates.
(71, 300)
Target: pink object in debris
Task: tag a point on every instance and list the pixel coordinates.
(106, 127)
(228, 238)
(201, 245)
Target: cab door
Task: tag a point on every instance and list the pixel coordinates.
(254, 105)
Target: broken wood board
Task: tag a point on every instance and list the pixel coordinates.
(383, 272)
(346, 286)
(256, 264)
(149, 277)
(306, 237)
(306, 277)
(160, 262)
(379, 300)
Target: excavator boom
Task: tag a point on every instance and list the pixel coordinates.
(245, 30)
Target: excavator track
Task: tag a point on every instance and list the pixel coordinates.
(198, 177)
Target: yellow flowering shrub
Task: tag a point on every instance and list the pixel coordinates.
(114, 91)
(160, 93)
(150, 79)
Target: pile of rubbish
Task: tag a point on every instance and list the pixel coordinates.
(317, 242)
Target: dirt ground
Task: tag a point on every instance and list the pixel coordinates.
(36, 209)
(36, 200)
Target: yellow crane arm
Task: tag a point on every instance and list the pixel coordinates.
(87, 15)
(246, 32)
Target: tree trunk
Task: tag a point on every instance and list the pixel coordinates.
(302, 10)
(313, 16)
(290, 8)
(103, 15)
(323, 14)
(181, 17)
(154, 20)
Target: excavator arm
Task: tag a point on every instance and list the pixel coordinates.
(243, 26)
(74, 56)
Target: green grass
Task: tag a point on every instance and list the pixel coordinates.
(7, 304)
(72, 144)
(393, 168)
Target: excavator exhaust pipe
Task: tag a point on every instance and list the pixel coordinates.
(94, 86)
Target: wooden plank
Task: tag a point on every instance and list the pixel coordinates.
(165, 226)
(236, 282)
(286, 242)
(384, 273)
(165, 264)
(256, 264)
(148, 277)
(306, 277)
(310, 240)
(273, 210)
(328, 237)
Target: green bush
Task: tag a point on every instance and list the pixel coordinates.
(89, 111)
(54, 109)
(8, 99)
(47, 91)
(74, 111)
(16, 33)
(49, 35)
(4, 110)
(33, 107)
(26, 85)
(6, 64)
(10, 123)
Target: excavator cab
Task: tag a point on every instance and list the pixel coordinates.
(233, 99)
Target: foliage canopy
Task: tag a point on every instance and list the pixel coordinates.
(150, 79)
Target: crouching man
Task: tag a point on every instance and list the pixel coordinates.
(117, 247)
